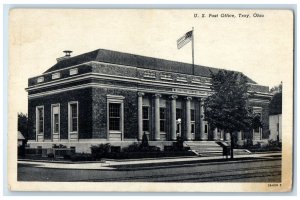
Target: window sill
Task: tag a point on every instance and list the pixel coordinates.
(166, 79)
(113, 131)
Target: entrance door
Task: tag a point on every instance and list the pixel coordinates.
(178, 119)
(178, 127)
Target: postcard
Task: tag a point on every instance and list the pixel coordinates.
(150, 100)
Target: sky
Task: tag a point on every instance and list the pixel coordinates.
(260, 47)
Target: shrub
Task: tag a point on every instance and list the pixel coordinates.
(100, 150)
(62, 146)
(115, 149)
(178, 145)
(67, 157)
(274, 143)
(135, 147)
(82, 157)
(149, 149)
(145, 142)
(50, 155)
(21, 150)
(63, 151)
(248, 143)
(154, 154)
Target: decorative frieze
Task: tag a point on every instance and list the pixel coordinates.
(191, 92)
(182, 79)
(149, 74)
(166, 77)
(200, 80)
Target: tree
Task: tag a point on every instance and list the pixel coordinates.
(227, 108)
(145, 142)
(275, 106)
(22, 124)
(276, 89)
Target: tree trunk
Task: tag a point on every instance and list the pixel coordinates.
(231, 145)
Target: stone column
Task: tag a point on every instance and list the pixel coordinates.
(188, 118)
(202, 134)
(260, 133)
(227, 136)
(215, 134)
(239, 138)
(157, 117)
(140, 115)
(222, 135)
(173, 117)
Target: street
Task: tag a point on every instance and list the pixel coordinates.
(265, 169)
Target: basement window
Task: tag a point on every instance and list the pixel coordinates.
(206, 128)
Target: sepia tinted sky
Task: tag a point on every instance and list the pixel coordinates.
(260, 47)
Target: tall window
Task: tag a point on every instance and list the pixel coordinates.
(163, 119)
(243, 135)
(55, 119)
(178, 116)
(192, 121)
(178, 113)
(145, 118)
(115, 116)
(73, 117)
(40, 120)
(205, 128)
(256, 129)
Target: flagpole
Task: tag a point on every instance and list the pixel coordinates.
(193, 51)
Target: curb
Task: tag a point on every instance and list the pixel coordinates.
(190, 162)
(195, 159)
(147, 163)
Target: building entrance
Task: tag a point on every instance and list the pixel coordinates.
(178, 127)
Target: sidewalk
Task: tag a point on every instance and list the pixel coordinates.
(111, 164)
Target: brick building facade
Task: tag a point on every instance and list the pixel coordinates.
(111, 97)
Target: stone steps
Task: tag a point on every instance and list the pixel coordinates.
(211, 148)
(205, 148)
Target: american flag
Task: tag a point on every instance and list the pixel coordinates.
(184, 39)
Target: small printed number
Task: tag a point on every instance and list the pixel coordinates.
(274, 185)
